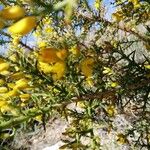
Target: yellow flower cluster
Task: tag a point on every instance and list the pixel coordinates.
(46, 30)
(97, 4)
(118, 16)
(20, 84)
(12, 12)
(42, 35)
(75, 51)
(4, 66)
(16, 84)
(136, 3)
(114, 84)
(111, 110)
(6, 107)
(41, 44)
(52, 55)
(87, 67)
(52, 61)
(147, 66)
(23, 26)
(24, 97)
(107, 70)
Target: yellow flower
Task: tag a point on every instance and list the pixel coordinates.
(45, 67)
(114, 84)
(47, 21)
(147, 66)
(36, 33)
(48, 55)
(11, 94)
(6, 107)
(107, 70)
(23, 104)
(62, 54)
(135, 3)
(121, 138)
(114, 43)
(21, 84)
(3, 105)
(87, 67)
(111, 110)
(58, 70)
(41, 44)
(137, 6)
(13, 12)
(97, 4)
(49, 30)
(4, 66)
(89, 81)
(56, 90)
(17, 68)
(2, 102)
(23, 26)
(38, 118)
(81, 104)
(16, 40)
(3, 89)
(17, 75)
(11, 85)
(75, 51)
(118, 16)
(5, 73)
(24, 97)
(13, 57)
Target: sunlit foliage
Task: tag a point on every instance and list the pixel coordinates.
(66, 52)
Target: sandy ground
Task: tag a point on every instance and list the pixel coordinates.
(51, 138)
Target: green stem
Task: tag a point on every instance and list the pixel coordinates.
(28, 114)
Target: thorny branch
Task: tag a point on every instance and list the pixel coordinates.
(20, 42)
(118, 26)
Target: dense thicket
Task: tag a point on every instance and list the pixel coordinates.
(60, 53)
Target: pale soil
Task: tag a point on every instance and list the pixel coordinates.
(51, 138)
